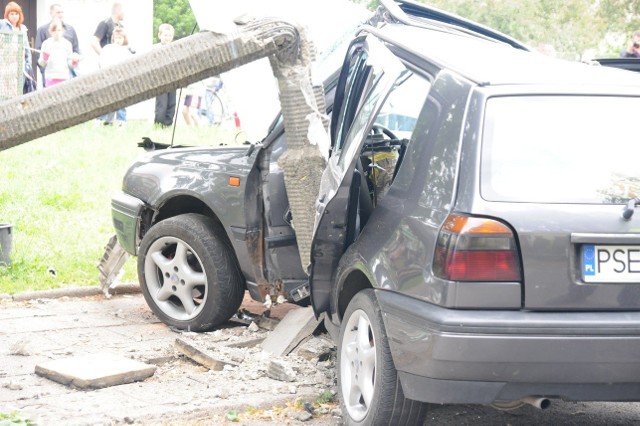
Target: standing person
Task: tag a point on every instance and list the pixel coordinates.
(57, 58)
(166, 102)
(633, 47)
(192, 103)
(115, 52)
(56, 12)
(13, 21)
(103, 34)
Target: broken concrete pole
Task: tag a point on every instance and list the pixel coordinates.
(296, 326)
(144, 76)
(177, 65)
(303, 113)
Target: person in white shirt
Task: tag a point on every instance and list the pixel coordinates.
(57, 57)
(115, 53)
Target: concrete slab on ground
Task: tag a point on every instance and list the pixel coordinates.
(296, 326)
(95, 371)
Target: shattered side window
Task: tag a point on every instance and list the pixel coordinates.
(356, 79)
(400, 111)
(394, 126)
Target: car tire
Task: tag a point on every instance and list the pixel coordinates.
(188, 273)
(368, 386)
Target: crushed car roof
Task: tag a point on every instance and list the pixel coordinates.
(495, 63)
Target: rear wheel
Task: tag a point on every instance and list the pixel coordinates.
(213, 108)
(368, 386)
(188, 273)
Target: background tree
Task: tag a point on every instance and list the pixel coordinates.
(175, 12)
(576, 28)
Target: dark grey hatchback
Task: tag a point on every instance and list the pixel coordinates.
(475, 240)
(491, 262)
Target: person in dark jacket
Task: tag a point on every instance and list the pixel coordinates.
(633, 48)
(165, 102)
(104, 30)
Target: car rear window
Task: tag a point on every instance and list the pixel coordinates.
(561, 149)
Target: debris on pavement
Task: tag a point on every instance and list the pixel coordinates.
(21, 347)
(297, 325)
(206, 358)
(180, 388)
(110, 266)
(95, 371)
(280, 370)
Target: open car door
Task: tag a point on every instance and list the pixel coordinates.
(368, 75)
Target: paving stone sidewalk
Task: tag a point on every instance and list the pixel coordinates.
(180, 392)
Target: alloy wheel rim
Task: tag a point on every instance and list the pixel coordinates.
(358, 365)
(175, 278)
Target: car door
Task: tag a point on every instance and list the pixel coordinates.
(368, 75)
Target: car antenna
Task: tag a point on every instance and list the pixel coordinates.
(630, 208)
(175, 114)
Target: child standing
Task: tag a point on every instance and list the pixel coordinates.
(57, 57)
(192, 103)
(166, 102)
(114, 53)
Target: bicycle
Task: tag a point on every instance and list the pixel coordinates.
(213, 109)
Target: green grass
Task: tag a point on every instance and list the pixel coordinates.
(14, 418)
(56, 193)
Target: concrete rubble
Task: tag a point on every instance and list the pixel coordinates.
(41, 331)
(95, 371)
(293, 329)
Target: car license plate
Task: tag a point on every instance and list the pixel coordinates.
(611, 264)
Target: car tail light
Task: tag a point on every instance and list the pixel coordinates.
(476, 249)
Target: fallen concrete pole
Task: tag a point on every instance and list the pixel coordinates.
(189, 60)
(146, 75)
(303, 112)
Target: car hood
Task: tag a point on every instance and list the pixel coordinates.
(195, 171)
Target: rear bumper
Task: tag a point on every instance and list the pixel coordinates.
(456, 356)
(126, 213)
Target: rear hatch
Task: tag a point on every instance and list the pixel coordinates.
(561, 170)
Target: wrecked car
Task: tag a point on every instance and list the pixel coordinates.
(475, 237)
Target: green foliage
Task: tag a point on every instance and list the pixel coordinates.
(175, 12)
(233, 416)
(326, 397)
(573, 27)
(14, 418)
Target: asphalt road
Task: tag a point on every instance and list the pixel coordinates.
(560, 413)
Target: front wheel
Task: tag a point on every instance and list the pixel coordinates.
(188, 273)
(368, 386)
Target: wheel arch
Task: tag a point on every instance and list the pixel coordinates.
(175, 206)
(354, 281)
(181, 204)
